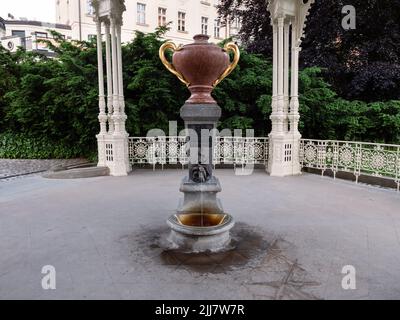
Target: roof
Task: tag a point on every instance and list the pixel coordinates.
(38, 23)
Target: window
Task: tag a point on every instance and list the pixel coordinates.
(237, 23)
(89, 8)
(141, 13)
(92, 37)
(41, 34)
(162, 17)
(21, 34)
(18, 33)
(181, 21)
(217, 28)
(235, 26)
(204, 25)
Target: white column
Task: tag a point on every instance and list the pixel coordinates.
(120, 166)
(280, 63)
(284, 140)
(294, 116)
(120, 74)
(274, 77)
(294, 100)
(275, 62)
(109, 79)
(286, 74)
(116, 108)
(102, 104)
(121, 94)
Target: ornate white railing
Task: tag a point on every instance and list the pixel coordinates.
(158, 150)
(358, 158)
(173, 150)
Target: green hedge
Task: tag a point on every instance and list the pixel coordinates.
(49, 107)
(21, 146)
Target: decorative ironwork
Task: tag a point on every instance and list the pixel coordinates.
(173, 150)
(358, 158)
(158, 150)
(241, 150)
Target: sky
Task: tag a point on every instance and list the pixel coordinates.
(42, 10)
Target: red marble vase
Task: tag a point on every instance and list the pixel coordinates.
(201, 66)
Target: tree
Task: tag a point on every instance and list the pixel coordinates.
(361, 64)
(8, 78)
(50, 106)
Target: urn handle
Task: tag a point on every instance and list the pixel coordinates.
(230, 46)
(167, 64)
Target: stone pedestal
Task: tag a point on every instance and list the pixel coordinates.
(200, 239)
(200, 187)
(200, 223)
(200, 197)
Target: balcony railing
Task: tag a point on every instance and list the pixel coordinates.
(173, 150)
(358, 158)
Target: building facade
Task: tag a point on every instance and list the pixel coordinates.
(2, 28)
(27, 34)
(185, 19)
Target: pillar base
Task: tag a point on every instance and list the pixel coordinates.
(101, 150)
(116, 154)
(284, 155)
(120, 165)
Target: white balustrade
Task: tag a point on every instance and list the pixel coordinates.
(358, 158)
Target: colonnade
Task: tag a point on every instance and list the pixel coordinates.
(112, 139)
(288, 20)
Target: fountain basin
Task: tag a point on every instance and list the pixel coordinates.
(200, 233)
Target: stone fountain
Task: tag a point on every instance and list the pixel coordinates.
(200, 223)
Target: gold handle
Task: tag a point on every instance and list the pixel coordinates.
(167, 64)
(230, 46)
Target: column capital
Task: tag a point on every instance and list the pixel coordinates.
(281, 21)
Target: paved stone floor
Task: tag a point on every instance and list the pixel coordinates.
(9, 168)
(105, 238)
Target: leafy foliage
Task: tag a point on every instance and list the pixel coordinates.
(49, 107)
(361, 64)
(22, 146)
(55, 99)
(324, 115)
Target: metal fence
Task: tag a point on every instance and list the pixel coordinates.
(358, 158)
(173, 150)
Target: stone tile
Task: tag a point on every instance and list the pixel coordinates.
(102, 236)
